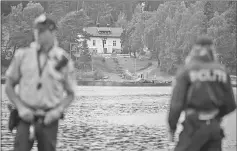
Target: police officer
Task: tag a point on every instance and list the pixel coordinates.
(44, 74)
(202, 89)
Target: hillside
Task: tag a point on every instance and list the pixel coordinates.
(139, 24)
(132, 64)
(123, 68)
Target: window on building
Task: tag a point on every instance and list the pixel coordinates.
(104, 41)
(114, 43)
(94, 43)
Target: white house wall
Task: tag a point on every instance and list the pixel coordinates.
(108, 45)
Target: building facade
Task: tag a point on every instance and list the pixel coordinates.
(104, 40)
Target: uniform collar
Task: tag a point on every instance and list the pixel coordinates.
(36, 45)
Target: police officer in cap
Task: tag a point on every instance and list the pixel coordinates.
(203, 90)
(44, 73)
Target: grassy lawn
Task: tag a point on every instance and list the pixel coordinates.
(100, 69)
(102, 66)
(129, 64)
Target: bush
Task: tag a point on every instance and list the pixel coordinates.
(172, 71)
(125, 51)
(77, 76)
(83, 66)
(98, 75)
(5, 62)
(149, 64)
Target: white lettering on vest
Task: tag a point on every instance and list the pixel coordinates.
(208, 75)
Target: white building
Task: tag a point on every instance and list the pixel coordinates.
(104, 39)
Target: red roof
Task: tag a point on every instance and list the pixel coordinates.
(104, 31)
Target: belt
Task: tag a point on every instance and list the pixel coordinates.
(207, 122)
(203, 115)
(40, 114)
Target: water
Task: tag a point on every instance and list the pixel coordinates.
(115, 118)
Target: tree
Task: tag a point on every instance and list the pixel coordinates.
(167, 29)
(5, 32)
(125, 40)
(84, 62)
(135, 29)
(71, 25)
(209, 12)
(85, 55)
(224, 39)
(20, 23)
(171, 31)
(7, 5)
(231, 17)
(100, 12)
(17, 28)
(58, 9)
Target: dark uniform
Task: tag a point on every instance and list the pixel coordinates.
(202, 89)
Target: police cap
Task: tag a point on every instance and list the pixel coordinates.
(204, 41)
(42, 23)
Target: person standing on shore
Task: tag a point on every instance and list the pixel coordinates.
(203, 90)
(45, 77)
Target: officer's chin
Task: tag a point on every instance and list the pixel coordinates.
(46, 45)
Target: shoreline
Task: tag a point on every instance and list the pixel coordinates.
(124, 83)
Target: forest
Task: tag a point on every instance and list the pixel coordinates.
(167, 29)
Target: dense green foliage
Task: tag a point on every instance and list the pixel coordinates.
(166, 29)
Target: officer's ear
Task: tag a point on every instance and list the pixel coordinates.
(214, 53)
(211, 52)
(35, 34)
